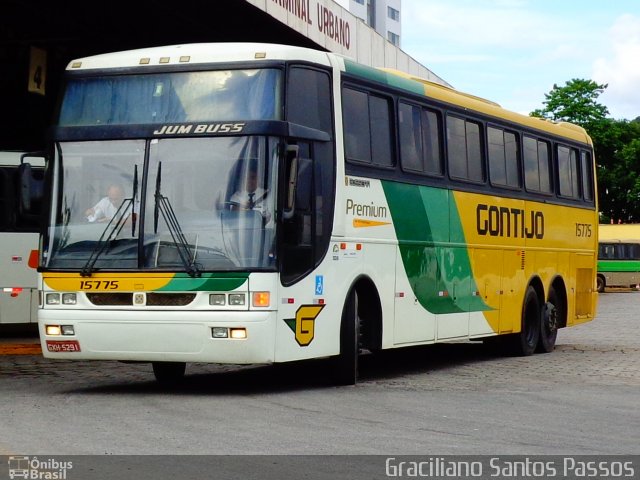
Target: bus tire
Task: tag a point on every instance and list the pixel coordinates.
(549, 323)
(524, 343)
(601, 284)
(345, 368)
(169, 373)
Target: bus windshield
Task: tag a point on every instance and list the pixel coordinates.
(203, 201)
(172, 97)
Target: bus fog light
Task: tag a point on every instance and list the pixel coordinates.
(217, 299)
(53, 330)
(236, 299)
(219, 332)
(67, 330)
(53, 298)
(68, 298)
(238, 333)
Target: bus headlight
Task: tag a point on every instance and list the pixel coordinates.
(236, 299)
(53, 299)
(217, 299)
(68, 298)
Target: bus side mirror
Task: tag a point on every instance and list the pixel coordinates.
(30, 185)
(291, 175)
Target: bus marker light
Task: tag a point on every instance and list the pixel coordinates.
(288, 301)
(53, 299)
(318, 301)
(219, 332)
(343, 246)
(53, 330)
(217, 299)
(358, 246)
(238, 333)
(261, 299)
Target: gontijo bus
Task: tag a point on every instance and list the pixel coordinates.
(395, 212)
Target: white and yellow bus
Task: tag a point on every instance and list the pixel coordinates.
(393, 212)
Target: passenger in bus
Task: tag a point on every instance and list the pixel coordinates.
(106, 208)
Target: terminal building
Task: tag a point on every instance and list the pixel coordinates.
(38, 39)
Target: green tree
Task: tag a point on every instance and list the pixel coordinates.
(616, 145)
(576, 102)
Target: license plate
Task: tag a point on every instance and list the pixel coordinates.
(63, 345)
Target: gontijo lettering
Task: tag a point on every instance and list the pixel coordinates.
(509, 222)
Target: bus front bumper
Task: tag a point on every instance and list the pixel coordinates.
(170, 336)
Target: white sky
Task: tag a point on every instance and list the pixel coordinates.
(513, 51)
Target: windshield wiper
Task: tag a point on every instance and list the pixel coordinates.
(163, 206)
(109, 234)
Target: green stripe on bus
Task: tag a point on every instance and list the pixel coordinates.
(618, 266)
(384, 77)
(440, 275)
(210, 282)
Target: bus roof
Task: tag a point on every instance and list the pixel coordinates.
(202, 53)
(622, 232)
(195, 53)
(487, 107)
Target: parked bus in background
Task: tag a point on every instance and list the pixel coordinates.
(20, 223)
(388, 211)
(618, 256)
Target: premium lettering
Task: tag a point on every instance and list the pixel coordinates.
(509, 222)
(364, 210)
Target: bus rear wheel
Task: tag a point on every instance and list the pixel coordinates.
(601, 284)
(550, 322)
(169, 373)
(345, 365)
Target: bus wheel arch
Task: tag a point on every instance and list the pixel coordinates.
(554, 316)
(360, 329)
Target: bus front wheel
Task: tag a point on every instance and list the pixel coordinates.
(169, 373)
(345, 368)
(525, 342)
(601, 283)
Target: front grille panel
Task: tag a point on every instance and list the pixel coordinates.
(154, 299)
